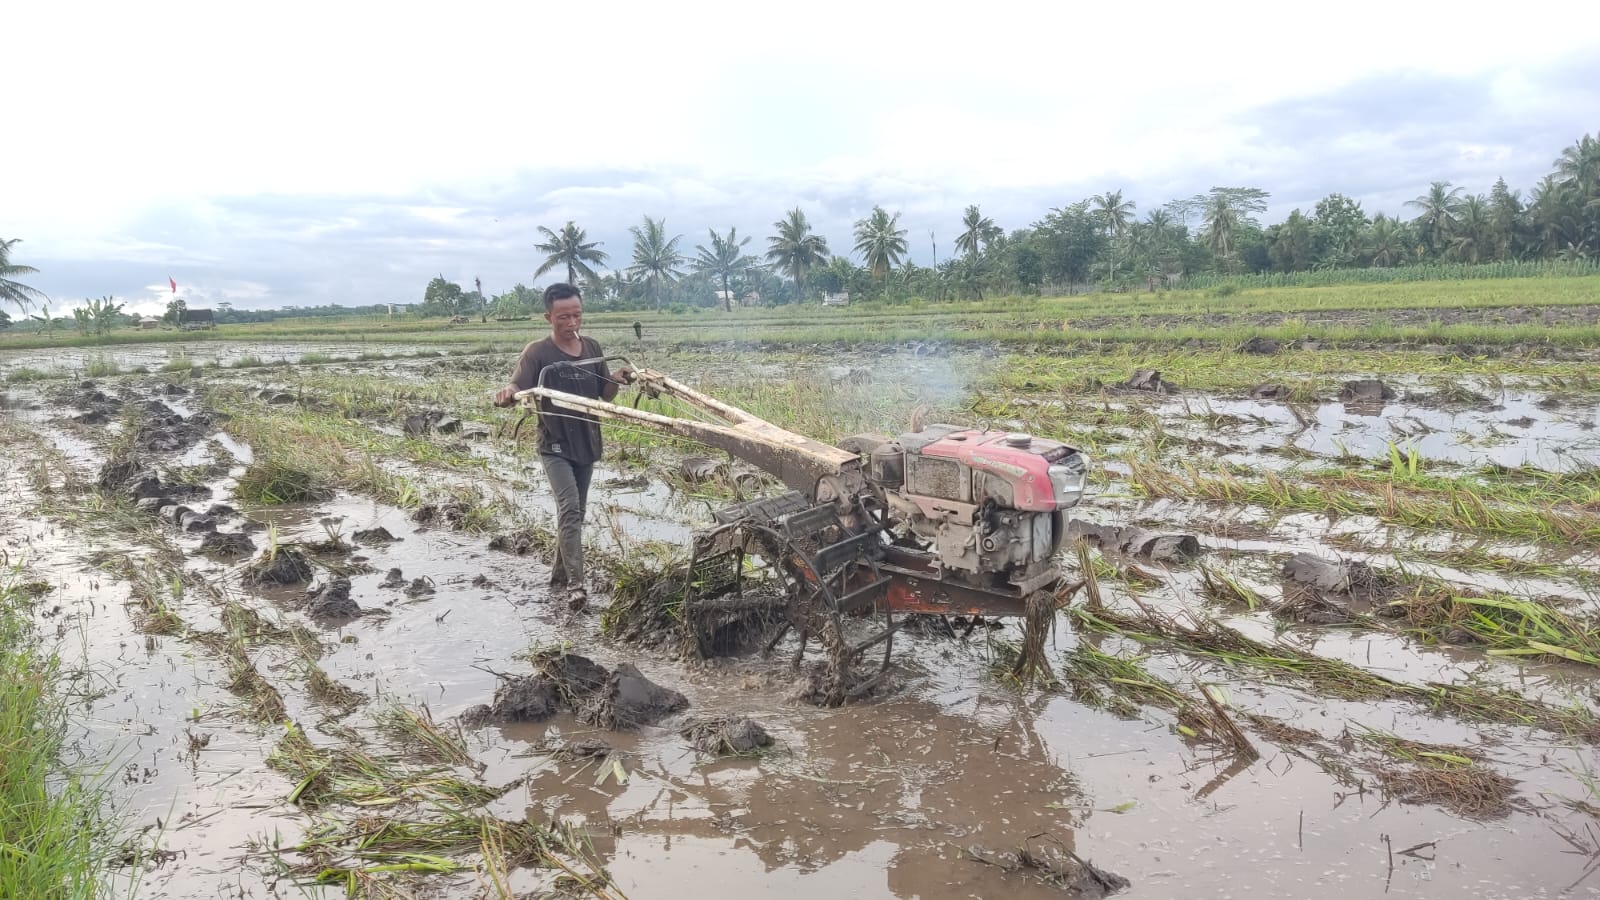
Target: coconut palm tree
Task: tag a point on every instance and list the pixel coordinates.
(572, 248)
(724, 260)
(794, 250)
(1472, 233)
(1438, 217)
(1580, 165)
(881, 243)
(1222, 228)
(1554, 209)
(655, 256)
(15, 292)
(1386, 241)
(1114, 214)
(980, 231)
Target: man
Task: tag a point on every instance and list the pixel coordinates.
(569, 442)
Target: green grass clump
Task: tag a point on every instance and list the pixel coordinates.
(52, 832)
(1507, 625)
(315, 358)
(273, 481)
(248, 362)
(102, 367)
(25, 375)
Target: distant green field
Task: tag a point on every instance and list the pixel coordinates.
(1565, 311)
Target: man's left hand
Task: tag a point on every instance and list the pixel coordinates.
(625, 375)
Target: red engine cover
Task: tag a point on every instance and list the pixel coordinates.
(1026, 468)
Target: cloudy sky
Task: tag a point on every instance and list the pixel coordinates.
(345, 152)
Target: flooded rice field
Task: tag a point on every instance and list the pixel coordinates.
(307, 599)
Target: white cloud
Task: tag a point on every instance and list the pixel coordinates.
(352, 148)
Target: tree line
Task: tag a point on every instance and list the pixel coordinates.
(1100, 242)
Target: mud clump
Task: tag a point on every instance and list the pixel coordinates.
(174, 512)
(1149, 380)
(1319, 591)
(1269, 392)
(164, 430)
(196, 523)
(531, 539)
(227, 544)
(373, 536)
(620, 699)
(151, 506)
(285, 567)
(118, 471)
(822, 686)
(1261, 346)
(451, 514)
(630, 700)
(1130, 540)
(527, 698)
(726, 735)
(420, 424)
(275, 397)
(575, 676)
(221, 511)
(394, 579)
(332, 601)
(1366, 390)
(1334, 576)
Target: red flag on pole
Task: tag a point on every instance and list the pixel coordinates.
(173, 283)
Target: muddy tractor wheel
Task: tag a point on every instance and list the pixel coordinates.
(842, 610)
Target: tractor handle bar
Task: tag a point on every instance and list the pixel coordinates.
(572, 363)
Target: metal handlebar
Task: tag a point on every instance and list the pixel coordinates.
(571, 364)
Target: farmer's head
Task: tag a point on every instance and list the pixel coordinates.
(563, 309)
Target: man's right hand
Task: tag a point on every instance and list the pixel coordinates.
(506, 396)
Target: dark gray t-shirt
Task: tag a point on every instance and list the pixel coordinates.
(563, 432)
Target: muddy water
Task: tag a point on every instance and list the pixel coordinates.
(75, 360)
(879, 800)
(145, 702)
(1512, 429)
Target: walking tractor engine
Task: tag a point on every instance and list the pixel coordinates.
(989, 505)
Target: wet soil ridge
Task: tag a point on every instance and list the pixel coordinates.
(97, 407)
(613, 699)
(1131, 540)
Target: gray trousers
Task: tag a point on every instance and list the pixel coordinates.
(569, 481)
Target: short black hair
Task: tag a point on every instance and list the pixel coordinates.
(559, 291)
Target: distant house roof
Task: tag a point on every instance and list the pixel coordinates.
(197, 315)
(149, 320)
